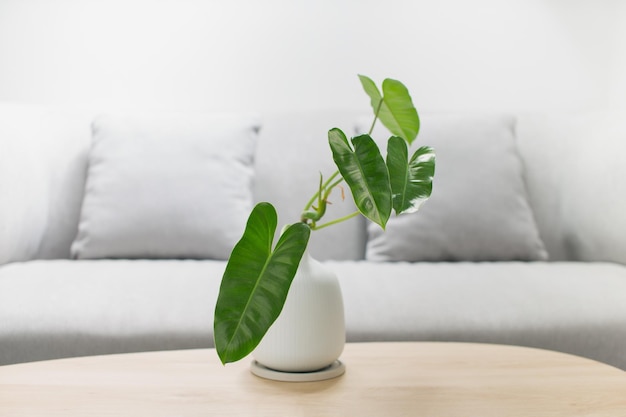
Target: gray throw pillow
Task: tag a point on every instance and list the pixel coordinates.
(167, 186)
(478, 210)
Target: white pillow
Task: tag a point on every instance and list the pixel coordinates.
(42, 174)
(167, 186)
(478, 210)
(23, 191)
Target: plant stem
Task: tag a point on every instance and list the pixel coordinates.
(380, 104)
(339, 220)
(330, 188)
(317, 193)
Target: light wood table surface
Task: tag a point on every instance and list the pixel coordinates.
(381, 379)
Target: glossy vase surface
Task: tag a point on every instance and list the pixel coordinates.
(309, 334)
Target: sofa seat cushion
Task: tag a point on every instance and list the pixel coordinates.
(53, 309)
(577, 308)
(61, 308)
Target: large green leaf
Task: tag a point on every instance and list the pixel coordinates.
(365, 173)
(372, 91)
(411, 180)
(256, 282)
(396, 111)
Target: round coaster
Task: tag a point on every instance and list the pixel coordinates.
(332, 371)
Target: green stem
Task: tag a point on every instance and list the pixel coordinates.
(380, 104)
(333, 185)
(322, 200)
(317, 193)
(339, 220)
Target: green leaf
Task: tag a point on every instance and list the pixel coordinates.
(365, 173)
(256, 282)
(397, 111)
(372, 91)
(411, 180)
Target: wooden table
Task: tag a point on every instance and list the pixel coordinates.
(382, 379)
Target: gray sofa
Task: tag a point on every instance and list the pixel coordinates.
(565, 291)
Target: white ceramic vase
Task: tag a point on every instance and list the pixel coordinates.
(309, 334)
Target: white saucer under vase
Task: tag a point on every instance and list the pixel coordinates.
(336, 369)
(309, 335)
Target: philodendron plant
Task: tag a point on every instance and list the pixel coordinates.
(258, 274)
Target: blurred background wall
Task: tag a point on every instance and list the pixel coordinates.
(485, 55)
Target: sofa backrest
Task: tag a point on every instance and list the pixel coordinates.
(573, 172)
(292, 153)
(43, 166)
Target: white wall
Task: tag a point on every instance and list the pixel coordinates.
(278, 54)
(617, 93)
